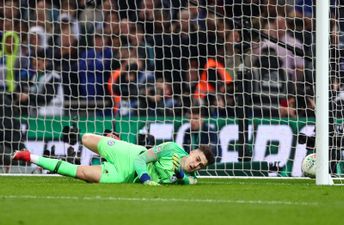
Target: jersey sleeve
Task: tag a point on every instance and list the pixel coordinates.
(140, 163)
(164, 169)
(151, 155)
(163, 150)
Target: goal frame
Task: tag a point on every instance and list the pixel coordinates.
(322, 92)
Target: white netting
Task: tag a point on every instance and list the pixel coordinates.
(244, 68)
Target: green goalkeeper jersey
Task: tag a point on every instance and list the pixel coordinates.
(161, 170)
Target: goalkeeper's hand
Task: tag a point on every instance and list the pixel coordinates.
(151, 183)
(176, 167)
(146, 180)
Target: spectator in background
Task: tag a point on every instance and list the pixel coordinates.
(95, 67)
(188, 39)
(124, 89)
(8, 56)
(111, 23)
(198, 14)
(146, 15)
(111, 29)
(68, 12)
(201, 133)
(215, 35)
(132, 35)
(10, 129)
(214, 79)
(10, 135)
(37, 40)
(144, 50)
(337, 97)
(127, 9)
(42, 13)
(43, 95)
(271, 64)
(304, 9)
(65, 55)
(159, 100)
(301, 20)
(162, 41)
(190, 81)
(10, 16)
(93, 18)
(276, 27)
(66, 18)
(10, 44)
(336, 93)
(232, 55)
(126, 56)
(126, 31)
(222, 102)
(187, 30)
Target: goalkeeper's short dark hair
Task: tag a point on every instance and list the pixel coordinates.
(207, 151)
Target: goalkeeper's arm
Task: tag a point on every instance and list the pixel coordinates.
(140, 165)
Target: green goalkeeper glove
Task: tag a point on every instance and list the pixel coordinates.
(151, 183)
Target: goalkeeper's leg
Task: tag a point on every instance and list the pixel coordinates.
(87, 173)
(91, 141)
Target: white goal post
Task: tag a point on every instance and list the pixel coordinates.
(322, 89)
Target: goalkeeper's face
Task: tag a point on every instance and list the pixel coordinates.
(195, 161)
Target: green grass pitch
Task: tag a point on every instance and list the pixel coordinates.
(62, 201)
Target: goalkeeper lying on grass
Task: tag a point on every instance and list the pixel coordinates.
(129, 163)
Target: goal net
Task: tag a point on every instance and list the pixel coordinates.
(238, 76)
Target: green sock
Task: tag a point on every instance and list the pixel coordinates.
(58, 166)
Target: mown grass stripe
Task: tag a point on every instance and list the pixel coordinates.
(217, 201)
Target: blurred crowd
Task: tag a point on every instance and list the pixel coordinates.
(160, 57)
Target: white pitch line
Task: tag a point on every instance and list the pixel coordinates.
(229, 182)
(216, 201)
